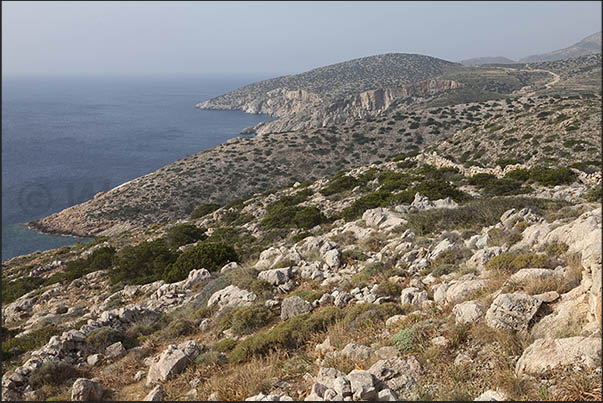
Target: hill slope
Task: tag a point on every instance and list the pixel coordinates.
(589, 45)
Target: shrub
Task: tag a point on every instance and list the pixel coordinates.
(440, 189)
(13, 347)
(556, 248)
(143, 263)
(290, 334)
(178, 328)
(53, 373)
(284, 217)
(552, 177)
(370, 201)
(391, 181)
(224, 345)
(411, 338)
(288, 201)
(388, 289)
(307, 295)
(103, 337)
(475, 214)
(19, 287)
(211, 256)
(593, 195)
(298, 237)
(247, 319)
(204, 209)
(340, 184)
(184, 234)
(100, 259)
(519, 174)
(361, 314)
(512, 262)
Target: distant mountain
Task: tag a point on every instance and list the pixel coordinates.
(587, 46)
(487, 60)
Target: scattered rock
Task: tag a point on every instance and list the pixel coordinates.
(294, 306)
(84, 389)
(512, 311)
(491, 396)
(544, 354)
(169, 363)
(467, 312)
(155, 395)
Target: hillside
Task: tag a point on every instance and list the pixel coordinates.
(366, 87)
(247, 165)
(487, 60)
(415, 278)
(589, 45)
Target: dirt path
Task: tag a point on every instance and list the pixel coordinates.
(556, 79)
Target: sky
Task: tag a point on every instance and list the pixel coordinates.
(274, 38)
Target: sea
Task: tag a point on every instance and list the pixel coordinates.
(64, 139)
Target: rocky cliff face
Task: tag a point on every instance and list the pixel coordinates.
(300, 109)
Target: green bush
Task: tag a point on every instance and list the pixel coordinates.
(178, 328)
(247, 319)
(435, 189)
(519, 174)
(593, 195)
(388, 289)
(552, 177)
(289, 201)
(103, 337)
(340, 184)
(361, 314)
(512, 262)
(291, 334)
(307, 295)
(411, 339)
(298, 237)
(301, 217)
(370, 201)
(183, 234)
(53, 373)
(391, 181)
(19, 287)
(224, 345)
(475, 214)
(204, 209)
(211, 256)
(12, 347)
(143, 263)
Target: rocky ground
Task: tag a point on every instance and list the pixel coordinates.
(354, 287)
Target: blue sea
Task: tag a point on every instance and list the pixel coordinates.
(65, 139)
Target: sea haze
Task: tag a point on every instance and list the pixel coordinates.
(65, 139)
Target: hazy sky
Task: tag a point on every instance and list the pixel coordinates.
(274, 37)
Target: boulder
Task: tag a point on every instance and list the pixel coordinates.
(413, 296)
(115, 350)
(398, 374)
(544, 354)
(357, 352)
(512, 312)
(231, 296)
(467, 312)
(84, 389)
(155, 395)
(443, 246)
(363, 385)
(480, 258)
(169, 363)
(276, 276)
(491, 396)
(332, 258)
(294, 306)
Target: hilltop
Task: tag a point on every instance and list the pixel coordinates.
(487, 60)
(366, 87)
(589, 45)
